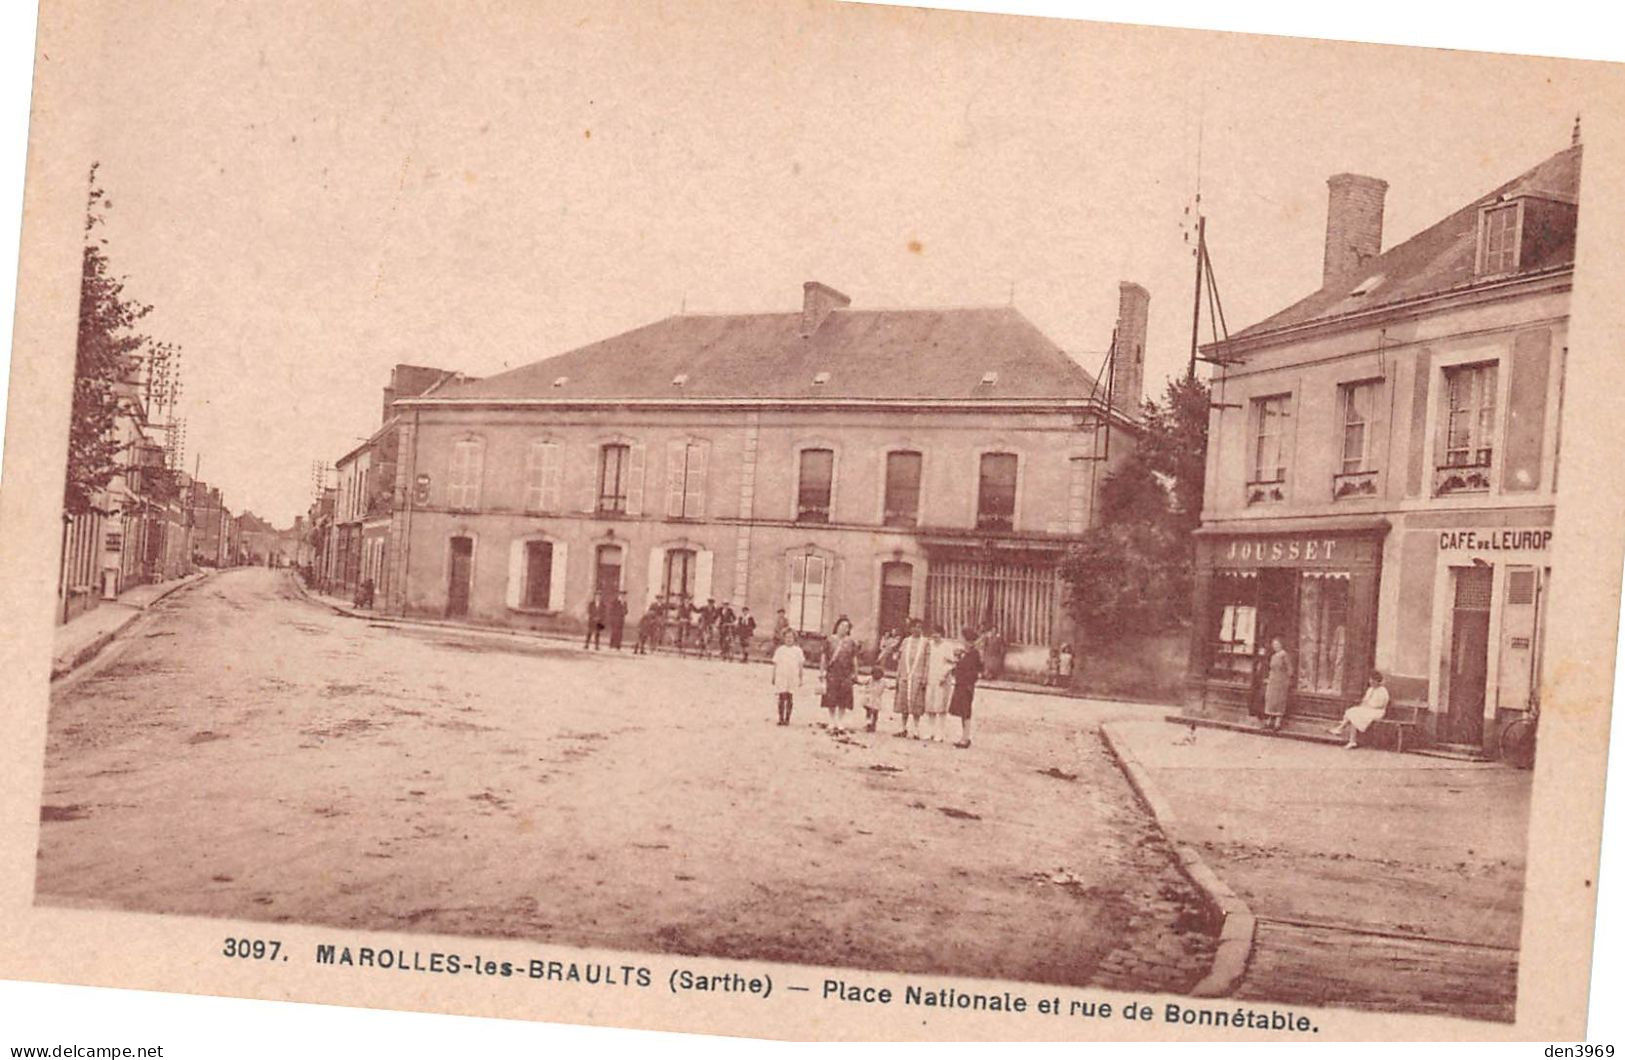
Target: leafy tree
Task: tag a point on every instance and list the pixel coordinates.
(1132, 573)
(107, 357)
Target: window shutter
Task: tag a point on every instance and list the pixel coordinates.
(702, 574)
(816, 590)
(555, 590)
(795, 589)
(657, 572)
(552, 476)
(589, 476)
(1418, 455)
(675, 478)
(476, 467)
(694, 502)
(1526, 411)
(516, 572)
(455, 474)
(534, 490)
(634, 480)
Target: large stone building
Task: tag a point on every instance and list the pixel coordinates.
(1383, 464)
(879, 464)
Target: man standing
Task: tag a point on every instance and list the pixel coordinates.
(617, 620)
(726, 621)
(745, 632)
(595, 624)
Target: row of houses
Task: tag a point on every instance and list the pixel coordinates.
(1381, 470)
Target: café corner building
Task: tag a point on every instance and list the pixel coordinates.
(1383, 469)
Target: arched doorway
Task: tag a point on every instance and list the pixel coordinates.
(896, 596)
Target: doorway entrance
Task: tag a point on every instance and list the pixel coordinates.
(896, 596)
(1463, 722)
(607, 574)
(462, 569)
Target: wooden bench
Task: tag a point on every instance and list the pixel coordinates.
(1400, 719)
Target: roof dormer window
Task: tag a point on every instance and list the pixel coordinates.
(561, 380)
(989, 378)
(1499, 232)
(820, 379)
(680, 379)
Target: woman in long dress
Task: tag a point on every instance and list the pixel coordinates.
(1277, 685)
(911, 672)
(840, 673)
(939, 675)
(1358, 718)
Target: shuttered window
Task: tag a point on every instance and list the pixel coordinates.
(685, 479)
(1080, 470)
(463, 481)
(1469, 427)
(543, 474)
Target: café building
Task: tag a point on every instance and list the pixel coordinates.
(1383, 466)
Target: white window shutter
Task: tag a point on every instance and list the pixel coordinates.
(657, 572)
(476, 461)
(634, 480)
(555, 590)
(533, 477)
(676, 477)
(552, 475)
(694, 502)
(702, 574)
(516, 572)
(589, 474)
(796, 589)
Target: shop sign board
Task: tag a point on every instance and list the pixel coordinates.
(1480, 540)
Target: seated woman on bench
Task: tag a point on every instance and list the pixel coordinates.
(1358, 718)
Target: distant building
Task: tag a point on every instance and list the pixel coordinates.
(365, 497)
(880, 464)
(1383, 462)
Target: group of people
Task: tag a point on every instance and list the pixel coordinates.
(702, 629)
(1273, 690)
(934, 678)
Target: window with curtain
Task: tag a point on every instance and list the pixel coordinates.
(613, 463)
(815, 484)
(1469, 427)
(1359, 407)
(996, 492)
(809, 576)
(1269, 438)
(681, 567)
(1323, 608)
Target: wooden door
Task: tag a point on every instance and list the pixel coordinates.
(462, 569)
(1469, 656)
(896, 597)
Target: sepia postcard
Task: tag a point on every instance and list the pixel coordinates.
(812, 521)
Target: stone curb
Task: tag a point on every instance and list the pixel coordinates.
(1236, 920)
(61, 668)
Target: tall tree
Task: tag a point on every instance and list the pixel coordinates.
(106, 357)
(1132, 572)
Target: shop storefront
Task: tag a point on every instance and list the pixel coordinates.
(1312, 585)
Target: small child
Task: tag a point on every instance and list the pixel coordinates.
(874, 694)
(789, 662)
(1052, 667)
(1066, 666)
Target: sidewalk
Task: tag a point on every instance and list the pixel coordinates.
(1378, 879)
(78, 640)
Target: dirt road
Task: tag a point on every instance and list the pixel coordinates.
(244, 752)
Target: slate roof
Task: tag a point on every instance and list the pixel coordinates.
(885, 354)
(1438, 259)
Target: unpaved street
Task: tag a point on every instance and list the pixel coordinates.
(244, 752)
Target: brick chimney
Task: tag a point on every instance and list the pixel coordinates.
(818, 301)
(1353, 224)
(1128, 366)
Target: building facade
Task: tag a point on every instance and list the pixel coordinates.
(1383, 465)
(880, 465)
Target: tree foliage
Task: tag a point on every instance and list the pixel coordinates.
(107, 358)
(1132, 572)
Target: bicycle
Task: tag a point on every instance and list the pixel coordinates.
(1517, 743)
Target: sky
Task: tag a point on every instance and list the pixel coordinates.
(308, 196)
